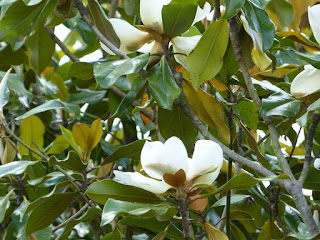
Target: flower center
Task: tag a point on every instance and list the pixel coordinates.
(175, 180)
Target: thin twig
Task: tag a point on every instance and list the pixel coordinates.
(113, 8)
(77, 214)
(309, 143)
(294, 145)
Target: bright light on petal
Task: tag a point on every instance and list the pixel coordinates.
(206, 160)
(306, 82)
(182, 46)
(202, 13)
(313, 15)
(131, 39)
(151, 14)
(138, 180)
(317, 163)
(158, 159)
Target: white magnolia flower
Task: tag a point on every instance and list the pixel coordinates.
(169, 166)
(132, 39)
(316, 163)
(308, 81)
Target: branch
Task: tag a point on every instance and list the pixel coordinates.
(217, 13)
(309, 143)
(95, 30)
(113, 8)
(293, 186)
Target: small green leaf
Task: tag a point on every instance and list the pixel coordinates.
(132, 150)
(162, 84)
(59, 145)
(236, 199)
(86, 96)
(206, 59)
(103, 190)
(48, 211)
(68, 135)
(4, 93)
(232, 8)
(81, 71)
(72, 162)
(4, 205)
(107, 73)
(115, 208)
(178, 16)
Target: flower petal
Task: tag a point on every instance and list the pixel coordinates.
(131, 39)
(158, 159)
(316, 163)
(182, 46)
(202, 12)
(138, 180)
(151, 14)
(206, 162)
(306, 82)
(313, 15)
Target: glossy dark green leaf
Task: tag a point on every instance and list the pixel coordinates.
(206, 59)
(260, 22)
(4, 205)
(4, 92)
(50, 105)
(87, 216)
(115, 208)
(15, 83)
(162, 84)
(178, 16)
(103, 190)
(115, 235)
(248, 112)
(72, 162)
(236, 199)
(15, 168)
(280, 104)
(48, 211)
(313, 179)
(107, 73)
(81, 70)
(303, 58)
(232, 8)
(131, 150)
(101, 21)
(176, 123)
(41, 49)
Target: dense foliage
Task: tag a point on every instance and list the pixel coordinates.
(241, 74)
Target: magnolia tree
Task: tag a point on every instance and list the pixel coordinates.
(171, 129)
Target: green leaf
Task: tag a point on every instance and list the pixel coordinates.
(72, 162)
(4, 93)
(280, 104)
(248, 112)
(50, 105)
(131, 150)
(130, 97)
(87, 216)
(206, 59)
(270, 231)
(232, 8)
(16, 23)
(101, 21)
(176, 123)
(81, 71)
(86, 96)
(260, 22)
(160, 236)
(236, 199)
(284, 11)
(178, 16)
(68, 135)
(48, 211)
(162, 84)
(304, 58)
(214, 233)
(132, 7)
(114, 208)
(103, 190)
(37, 42)
(59, 144)
(107, 73)
(4, 205)
(10, 57)
(313, 179)
(16, 84)
(15, 168)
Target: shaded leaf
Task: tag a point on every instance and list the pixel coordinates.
(232, 8)
(4, 93)
(214, 233)
(81, 70)
(15, 168)
(103, 190)
(72, 162)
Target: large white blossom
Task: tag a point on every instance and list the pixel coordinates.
(308, 81)
(132, 39)
(168, 166)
